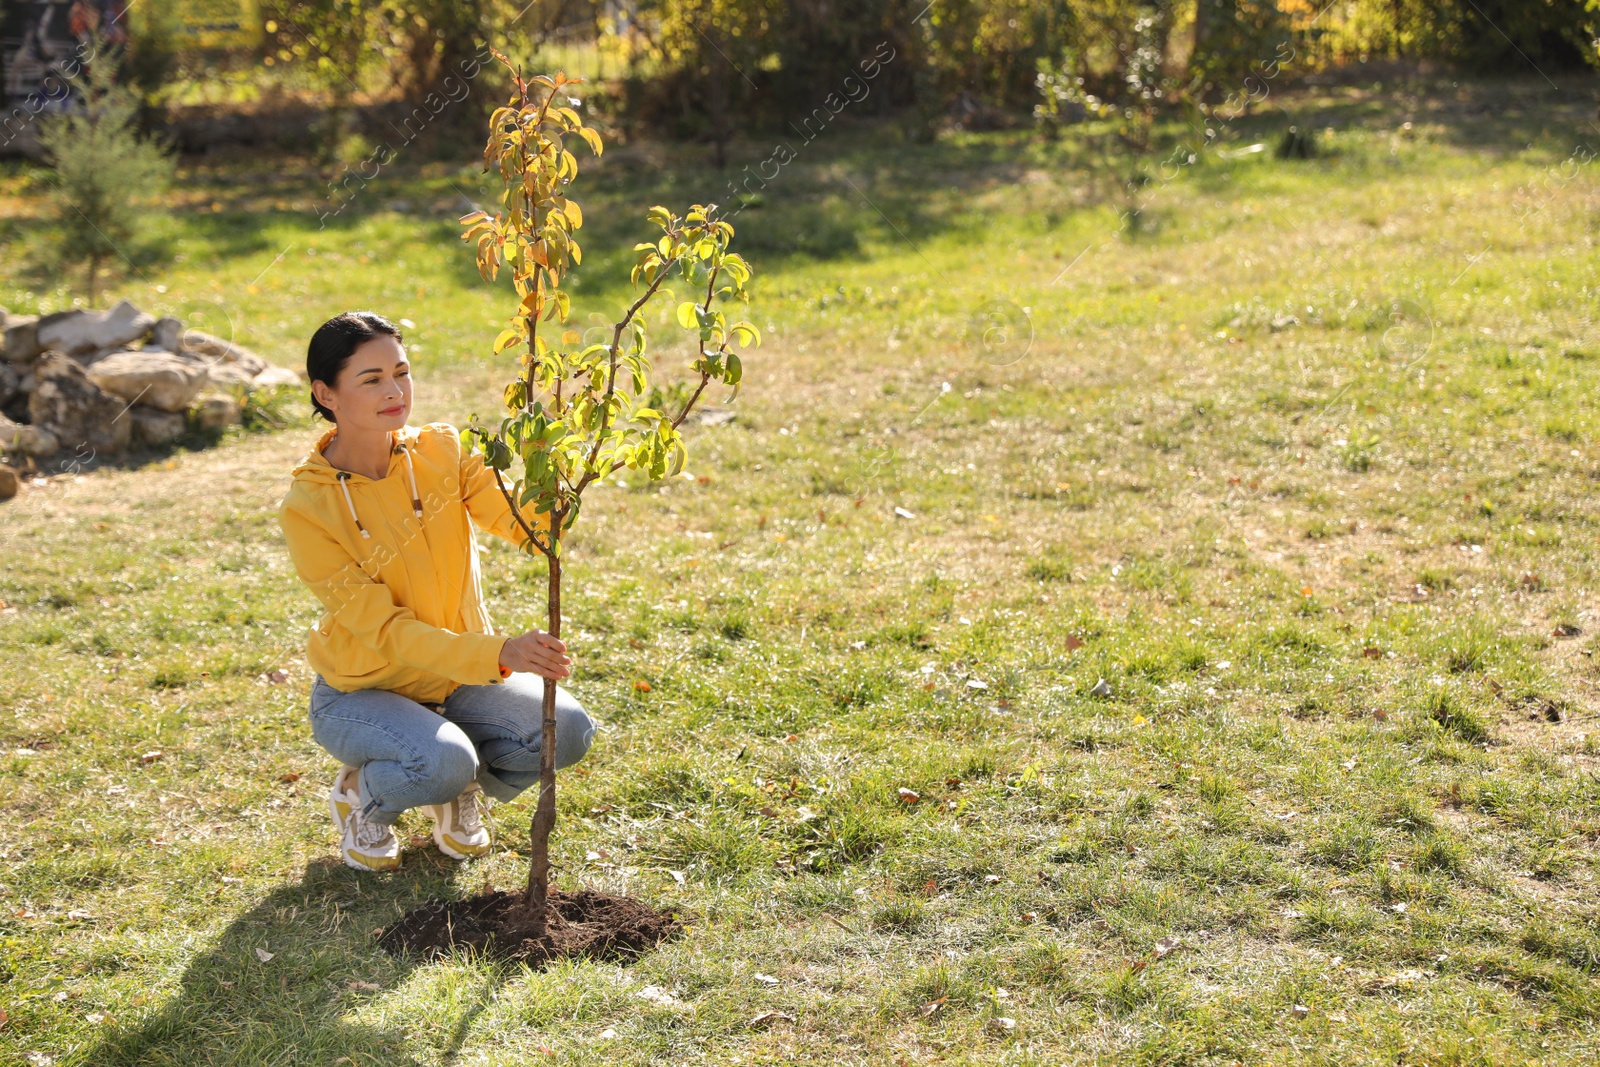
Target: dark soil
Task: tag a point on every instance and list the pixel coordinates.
(584, 923)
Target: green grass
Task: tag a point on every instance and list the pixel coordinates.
(1344, 760)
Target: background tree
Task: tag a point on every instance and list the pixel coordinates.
(105, 172)
(329, 39)
(712, 55)
(1123, 82)
(1229, 38)
(578, 415)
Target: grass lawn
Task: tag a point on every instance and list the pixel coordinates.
(1304, 472)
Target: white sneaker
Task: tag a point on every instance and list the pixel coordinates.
(458, 827)
(364, 844)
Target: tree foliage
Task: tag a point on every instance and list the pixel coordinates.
(1480, 35)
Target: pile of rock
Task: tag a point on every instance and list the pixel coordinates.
(96, 383)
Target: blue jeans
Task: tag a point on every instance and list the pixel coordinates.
(411, 755)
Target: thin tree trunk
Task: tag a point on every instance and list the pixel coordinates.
(544, 815)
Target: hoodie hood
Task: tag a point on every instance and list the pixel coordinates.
(316, 470)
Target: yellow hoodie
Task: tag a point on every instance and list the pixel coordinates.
(394, 562)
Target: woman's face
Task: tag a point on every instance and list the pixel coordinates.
(373, 392)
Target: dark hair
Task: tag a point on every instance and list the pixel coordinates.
(333, 343)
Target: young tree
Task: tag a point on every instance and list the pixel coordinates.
(577, 415)
(105, 172)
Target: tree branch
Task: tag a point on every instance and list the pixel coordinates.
(611, 378)
(516, 512)
(704, 378)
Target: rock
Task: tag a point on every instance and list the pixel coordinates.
(153, 427)
(76, 410)
(217, 412)
(16, 409)
(9, 482)
(167, 334)
(28, 440)
(21, 338)
(81, 332)
(10, 383)
(227, 375)
(155, 379)
(89, 359)
(276, 376)
(200, 343)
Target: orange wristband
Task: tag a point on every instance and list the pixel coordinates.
(505, 672)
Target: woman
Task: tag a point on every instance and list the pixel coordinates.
(425, 705)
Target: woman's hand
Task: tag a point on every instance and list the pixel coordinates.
(536, 652)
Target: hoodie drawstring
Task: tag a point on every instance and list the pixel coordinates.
(344, 483)
(416, 499)
(411, 474)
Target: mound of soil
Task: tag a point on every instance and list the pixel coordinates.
(584, 923)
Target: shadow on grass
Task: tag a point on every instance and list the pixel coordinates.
(300, 1005)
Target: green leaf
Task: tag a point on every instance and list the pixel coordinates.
(688, 314)
(516, 394)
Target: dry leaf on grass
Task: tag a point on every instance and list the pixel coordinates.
(765, 979)
(263, 955)
(769, 1017)
(1166, 946)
